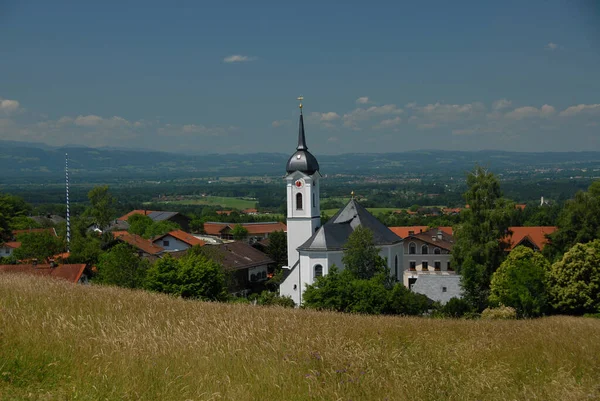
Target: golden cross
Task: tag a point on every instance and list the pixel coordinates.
(300, 98)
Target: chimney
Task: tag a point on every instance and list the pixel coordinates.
(433, 238)
(439, 234)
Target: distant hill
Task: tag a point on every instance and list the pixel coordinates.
(27, 161)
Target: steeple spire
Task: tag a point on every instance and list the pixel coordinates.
(301, 137)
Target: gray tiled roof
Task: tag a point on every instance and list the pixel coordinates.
(334, 234)
(160, 216)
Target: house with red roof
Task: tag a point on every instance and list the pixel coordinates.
(177, 241)
(406, 231)
(256, 231)
(75, 273)
(535, 238)
(146, 249)
(7, 248)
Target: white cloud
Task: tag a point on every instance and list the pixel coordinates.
(352, 119)
(329, 116)
(238, 58)
(501, 104)
(552, 47)
(389, 123)
(445, 113)
(589, 109)
(363, 100)
(8, 106)
(88, 121)
(530, 112)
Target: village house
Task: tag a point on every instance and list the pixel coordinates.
(177, 241)
(256, 231)
(7, 248)
(145, 248)
(428, 269)
(535, 238)
(247, 267)
(175, 217)
(75, 273)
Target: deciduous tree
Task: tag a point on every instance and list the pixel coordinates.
(479, 250)
(102, 209)
(361, 256)
(521, 282)
(38, 246)
(277, 248)
(122, 266)
(575, 280)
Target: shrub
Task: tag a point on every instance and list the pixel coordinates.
(271, 298)
(499, 313)
(455, 308)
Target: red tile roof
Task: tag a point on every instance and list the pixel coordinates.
(250, 211)
(138, 242)
(225, 212)
(449, 210)
(404, 232)
(213, 228)
(137, 211)
(35, 231)
(521, 206)
(535, 235)
(71, 273)
(183, 237)
(12, 244)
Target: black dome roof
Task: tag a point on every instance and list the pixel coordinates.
(302, 160)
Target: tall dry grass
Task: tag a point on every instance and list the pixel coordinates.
(62, 341)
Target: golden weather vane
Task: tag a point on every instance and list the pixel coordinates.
(300, 98)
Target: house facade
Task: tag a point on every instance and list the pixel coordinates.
(177, 241)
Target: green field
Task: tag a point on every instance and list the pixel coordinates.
(60, 341)
(223, 201)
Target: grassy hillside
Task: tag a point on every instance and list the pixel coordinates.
(60, 341)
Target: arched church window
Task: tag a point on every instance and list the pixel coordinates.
(437, 251)
(318, 271)
(298, 201)
(314, 200)
(424, 250)
(412, 248)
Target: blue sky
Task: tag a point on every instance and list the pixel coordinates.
(223, 76)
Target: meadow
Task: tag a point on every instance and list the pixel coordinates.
(222, 201)
(63, 341)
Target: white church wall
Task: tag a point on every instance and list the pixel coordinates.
(290, 287)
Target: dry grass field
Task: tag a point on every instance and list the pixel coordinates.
(59, 341)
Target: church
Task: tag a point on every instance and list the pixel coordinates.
(314, 248)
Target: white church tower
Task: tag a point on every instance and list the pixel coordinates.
(303, 209)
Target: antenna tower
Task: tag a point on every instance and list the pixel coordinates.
(68, 211)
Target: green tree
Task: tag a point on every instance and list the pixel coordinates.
(579, 222)
(201, 278)
(139, 224)
(102, 209)
(277, 248)
(122, 267)
(478, 249)
(145, 227)
(193, 276)
(38, 246)
(343, 292)
(575, 280)
(521, 282)
(239, 232)
(12, 210)
(162, 276)
(361, 256)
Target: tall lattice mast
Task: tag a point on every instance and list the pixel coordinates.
(68, 211)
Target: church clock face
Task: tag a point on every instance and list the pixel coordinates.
(299, 183)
